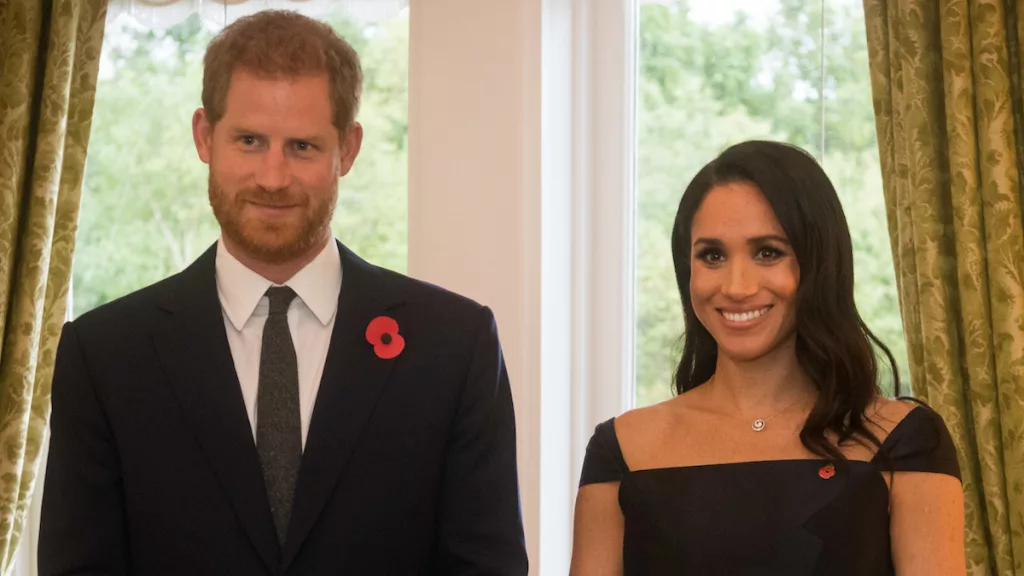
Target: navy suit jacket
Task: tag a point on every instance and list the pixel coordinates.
(409, 464)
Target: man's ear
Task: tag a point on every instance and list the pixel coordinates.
(351, 143)
(202, 134)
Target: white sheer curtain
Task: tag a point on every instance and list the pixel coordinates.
(161, 14)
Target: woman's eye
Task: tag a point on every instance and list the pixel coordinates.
(711, 256)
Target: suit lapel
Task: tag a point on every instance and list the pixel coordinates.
(193, 348)
(352, 382)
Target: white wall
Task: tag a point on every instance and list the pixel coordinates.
(521, 197)
(474, 183)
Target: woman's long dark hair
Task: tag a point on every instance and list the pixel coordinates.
(833, 345)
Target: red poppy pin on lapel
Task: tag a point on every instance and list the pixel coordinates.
(383, 334)
(827, 471)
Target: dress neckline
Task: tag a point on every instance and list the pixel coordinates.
(753, 463)
(885, 445)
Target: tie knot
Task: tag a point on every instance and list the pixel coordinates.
(280, 297)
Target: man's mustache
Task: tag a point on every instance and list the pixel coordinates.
(275, 199)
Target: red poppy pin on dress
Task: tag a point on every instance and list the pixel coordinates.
(383, 334)
(827, 471)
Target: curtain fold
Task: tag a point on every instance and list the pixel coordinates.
(946, 78)
(49, 60)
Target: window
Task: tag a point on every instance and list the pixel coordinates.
(145, 213)
(715, 72)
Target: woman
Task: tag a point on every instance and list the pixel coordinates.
(779, 455)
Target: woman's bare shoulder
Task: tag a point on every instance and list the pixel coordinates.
(642, 421)
(643, 431)
(883, 414)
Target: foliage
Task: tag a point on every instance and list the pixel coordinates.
(704, 86)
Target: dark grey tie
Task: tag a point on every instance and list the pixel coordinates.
(278, 425)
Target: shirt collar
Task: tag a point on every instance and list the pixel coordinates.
(317, 285)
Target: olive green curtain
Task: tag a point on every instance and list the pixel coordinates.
(49, 59)
(946, 78)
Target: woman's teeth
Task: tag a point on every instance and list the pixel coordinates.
(744, 316)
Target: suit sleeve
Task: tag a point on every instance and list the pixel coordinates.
(82, 530)
(481, 527)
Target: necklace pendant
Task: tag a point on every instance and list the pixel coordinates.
(757, 425)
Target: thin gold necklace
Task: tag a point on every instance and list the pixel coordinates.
(759, 424)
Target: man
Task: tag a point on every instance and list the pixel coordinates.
(281, 406)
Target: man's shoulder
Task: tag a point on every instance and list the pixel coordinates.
(420, 292)
(130, 309)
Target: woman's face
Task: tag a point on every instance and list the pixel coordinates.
(744, 275)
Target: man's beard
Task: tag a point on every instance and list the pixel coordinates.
(273, 242)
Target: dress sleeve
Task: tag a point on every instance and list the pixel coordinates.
(919, 443)
(603, 461)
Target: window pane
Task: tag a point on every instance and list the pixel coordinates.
(145, 213)
(716, 72)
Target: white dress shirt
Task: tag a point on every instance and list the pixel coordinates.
(310, 320)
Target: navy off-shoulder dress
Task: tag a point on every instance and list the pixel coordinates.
(784, 517)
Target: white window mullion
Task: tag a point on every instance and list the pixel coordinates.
(605, 254)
